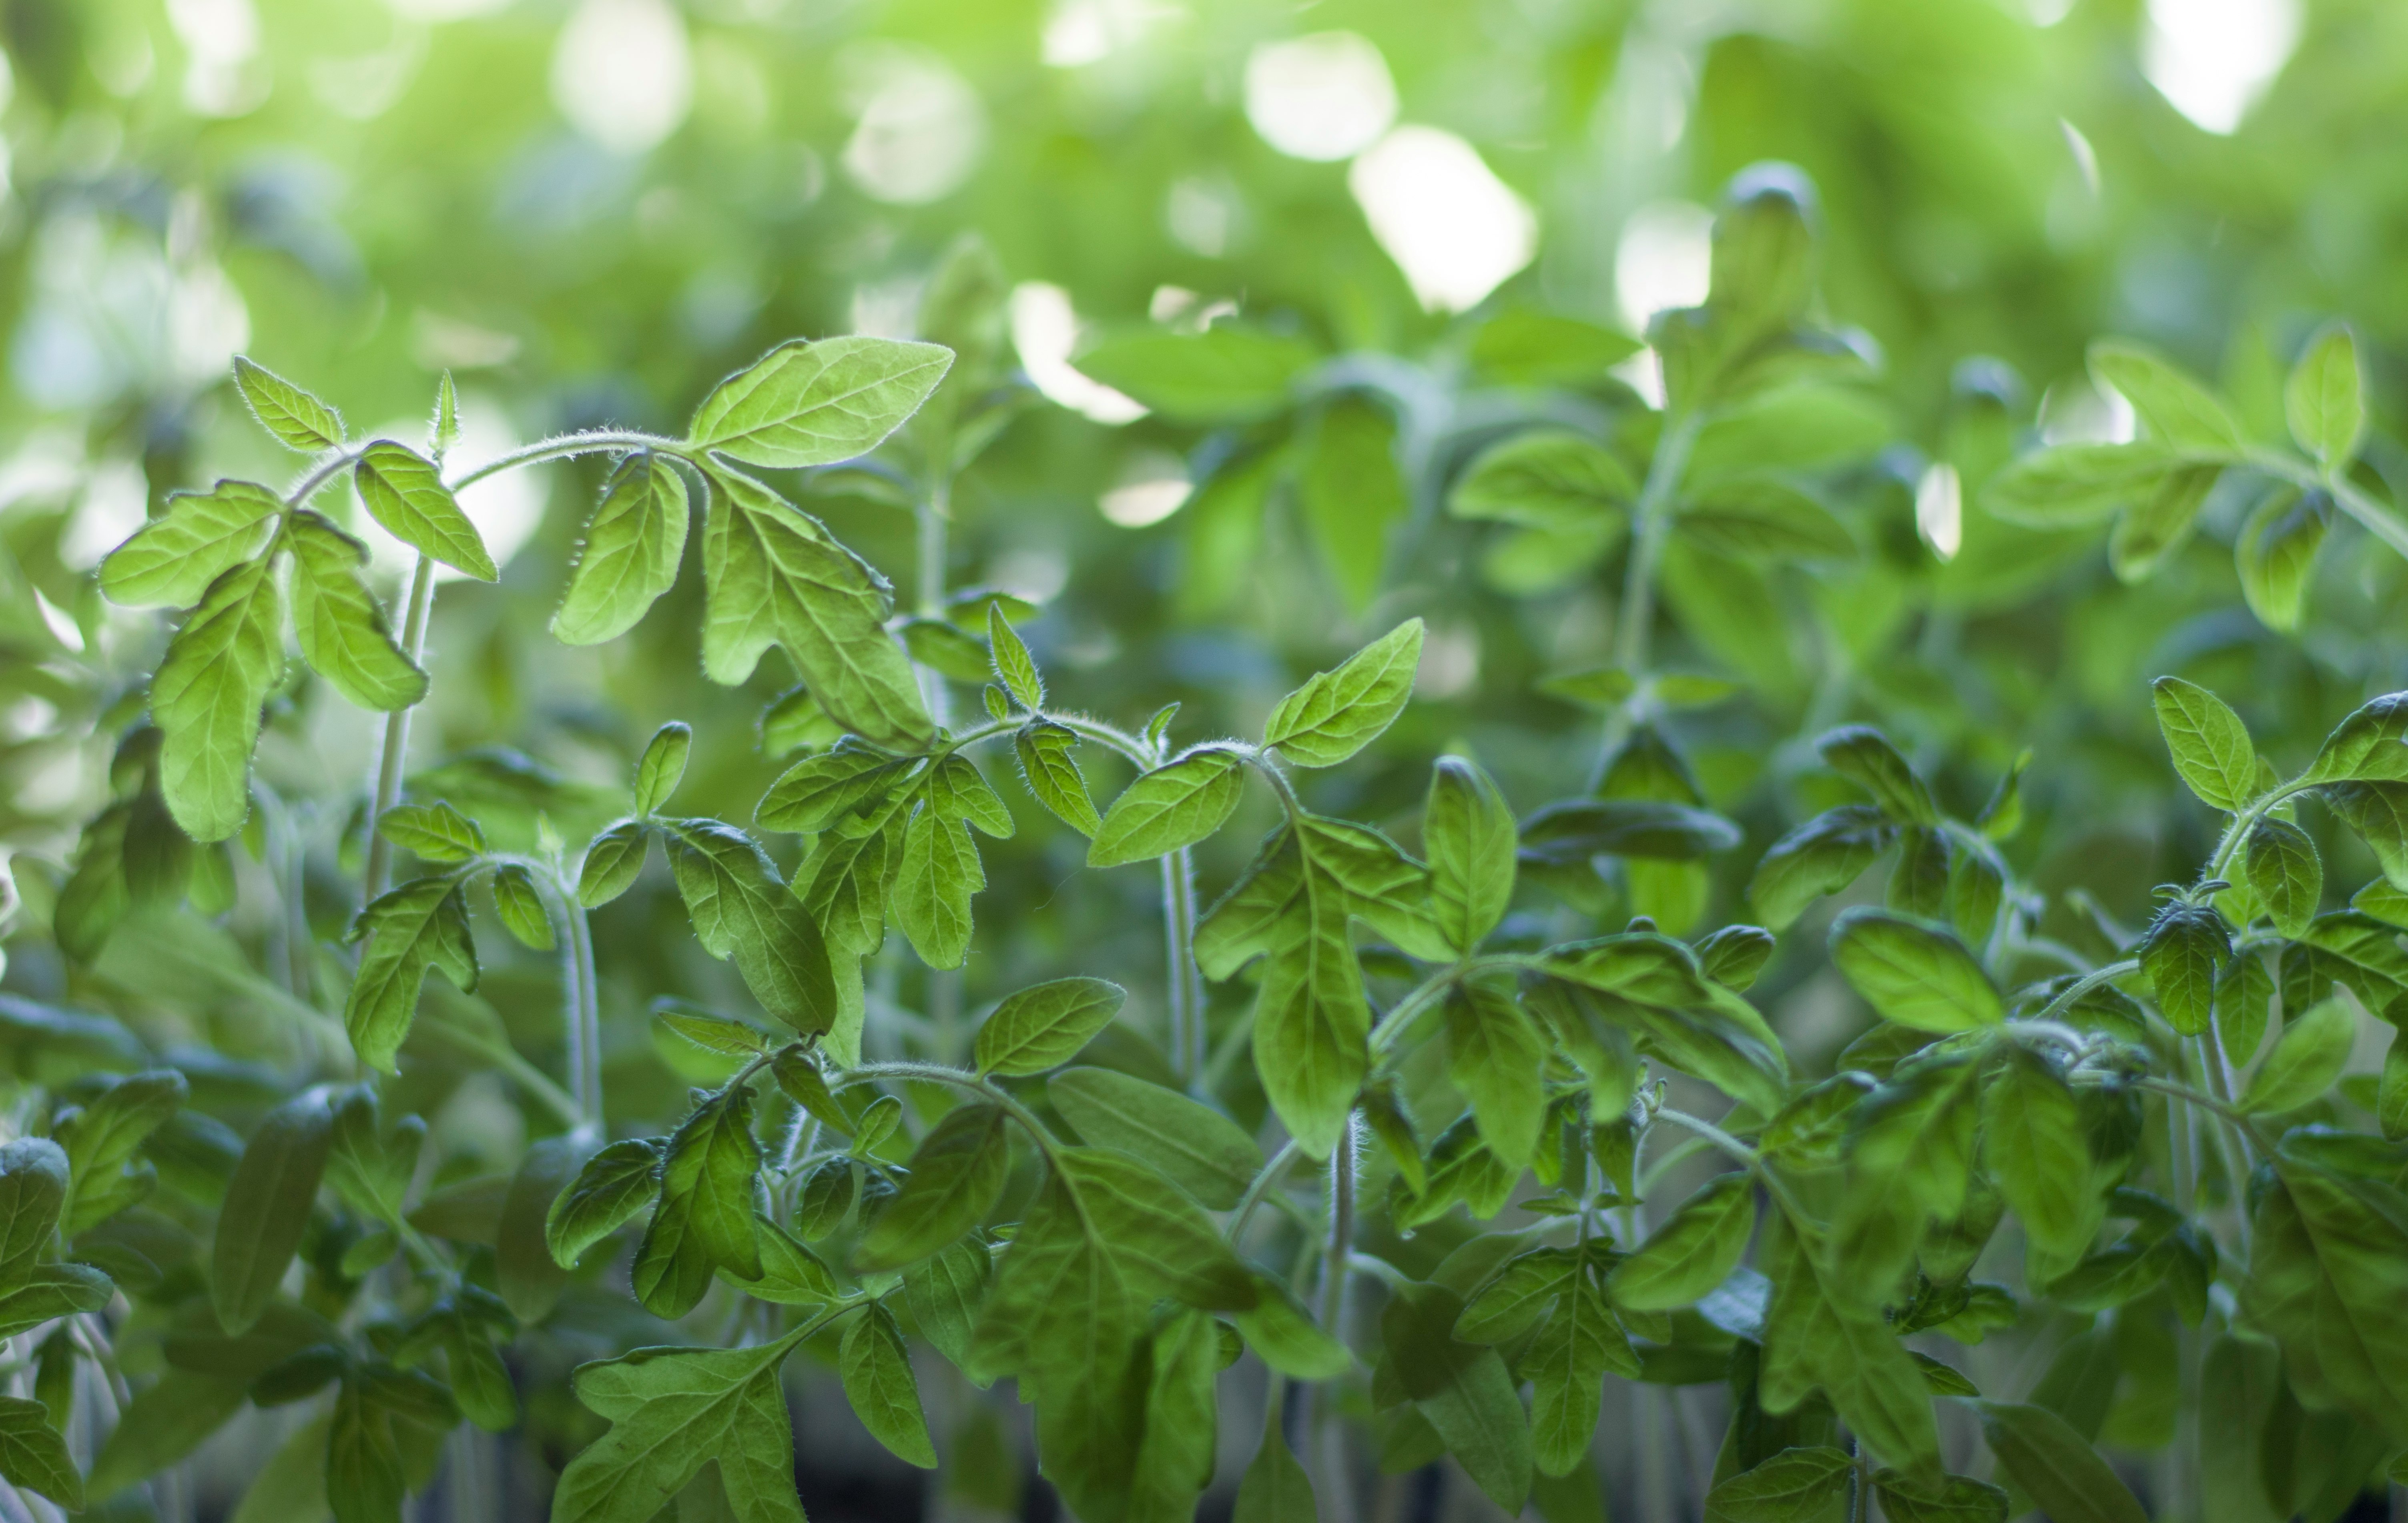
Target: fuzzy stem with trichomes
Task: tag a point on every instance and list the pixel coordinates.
(1650, 530)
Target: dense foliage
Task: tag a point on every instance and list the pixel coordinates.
(1744, 920)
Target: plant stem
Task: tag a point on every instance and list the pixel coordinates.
(1326, 1433)
(1651, 529)
(959, 1080)
(2379, 520)
(563, 445)
(2084, 985)
(1264, 1179)
(396, 731)
(585, 1022)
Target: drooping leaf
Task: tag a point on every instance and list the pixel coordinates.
(172, 560)
(1792, 1486)
(610, 1189)
(2185, 945)
(2285, 874)
(421, 926)
(268, 1207)
(2323, 401)
(1497, 1058)
(403, 490)
(205, 698)
(704, 1221)
(1468, 832)
(1352, 491)
(1864, 757)
(876, 1369)
(436, 832)
(2033, 1147)
(955, 1175)
(742, 910)
(1823, 856)
(1047, 766)
(1014, 667)
(2054, 1467)
(2305, 1061)
(630, 555)
(1695, 1249)
(774, 576)
(1196, 1146)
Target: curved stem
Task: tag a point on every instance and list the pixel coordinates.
(1651, 529)
(319, 474)
(1263, 1181)
(2084, 985)
(585, 1048)
(1741, 1151)
(2181, 1091)
(396, 729)
(959, 1080)
(1110, 736)
(564, 446)
(2379, 520)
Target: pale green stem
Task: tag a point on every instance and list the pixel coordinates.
(563, 446)
(2379, 520)
(396, 731)
(1263, 1181)
(2084, 985)
(1651, 529)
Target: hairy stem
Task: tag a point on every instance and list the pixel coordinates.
(1265, 1178)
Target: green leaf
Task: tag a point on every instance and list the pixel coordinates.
(1567, 1365)
(2174, 409)
(1913, 974)
(674, 1411)
(1544, 478)
(944, 1292)
(2366, 746)
(436, 832)
(53, 1292)
(2326, 1278)
(661, 767)
(1761, 519)
(338, 624)
(1866, 757)
(2276, 554)
(2054, 1467)
(1792, 1486)
(956, 1172)
(520, 907)
(101, 1139)
(633, 546)
(1223, 375)
(298, 420)
(2180, 955)
(1193, 1145)
(267, 1206)
(934, 883)
(1283, 1335)
(2323, 401)
(1957, 1499)
(818, 791)
(1351, 493)
(2285, 874)
(1821, 857)
(742, 908)
(1467, 830)
(1014, 667)
(816, 404)
(877, 1372)
(2153, 529)
(205, 698)
(1496, 1058)
(1461, 1389)
(2209, 743)
(1762, 266)
(1051, 771)
(33, 1454)
(1524, 347)
(1175, 806)
(2307, 1059)
(1175, 1460)
(773, 575)
(529, 1279)
(956, 791)
(172, 560)
(421, 926)
(2073, 484)
(612, 1187)
(1045, 1025)
(1695, 1249)
(161, 1426)
(403, 490)
(946, 649)
(612, 860)
(791, 1273)
(704, 1222)
(2034, 1146)
(712, 1033)
(1275, 1487)
(1339, 712)
(1818, 1334)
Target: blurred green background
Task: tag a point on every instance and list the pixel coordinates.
(589, 212)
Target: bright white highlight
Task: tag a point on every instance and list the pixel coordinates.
(1940, 510)
(921, 128)
(1664, 259)
(2211, 59)
(1083, 32)
(1152, 487)
(1320, 97)
(622, 73)
(2076, 412)
(1045, 329)
(220, 38)
(1443, 216)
